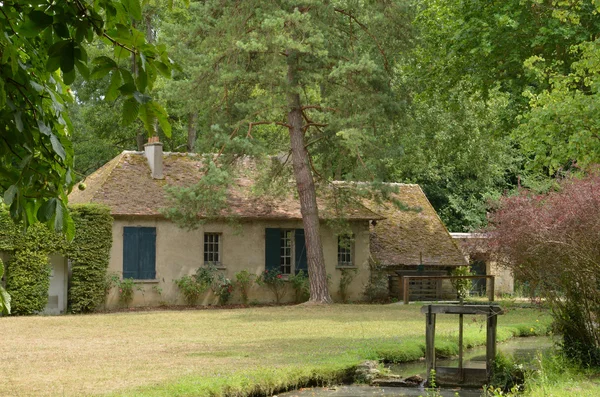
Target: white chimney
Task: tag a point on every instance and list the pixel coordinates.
(154, 154)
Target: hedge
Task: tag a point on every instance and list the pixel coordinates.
(89, 253)
(28, 270)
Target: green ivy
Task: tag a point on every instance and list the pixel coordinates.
(28, 280)
(89, 253)
(28, 271)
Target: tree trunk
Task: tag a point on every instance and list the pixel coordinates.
(140, 140)
(319, 290)
(191, 131)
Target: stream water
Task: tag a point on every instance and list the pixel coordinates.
(523, 350)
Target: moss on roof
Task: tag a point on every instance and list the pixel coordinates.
(412, 237)
(125, 185)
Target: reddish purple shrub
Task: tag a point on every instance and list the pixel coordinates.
(553, 242)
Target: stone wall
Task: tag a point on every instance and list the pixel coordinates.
(179, 252)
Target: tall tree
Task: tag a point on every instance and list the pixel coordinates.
(320, 71)
(42, 45)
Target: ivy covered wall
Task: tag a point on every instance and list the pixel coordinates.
(28, 270)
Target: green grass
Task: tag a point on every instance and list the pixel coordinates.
(557, 377)
(224, 352)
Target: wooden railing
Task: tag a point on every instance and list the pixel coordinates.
(406, 279)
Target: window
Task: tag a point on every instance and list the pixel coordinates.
(345, 245)
(139, 253)
(285, 258)
(285, 250)
(212, 248)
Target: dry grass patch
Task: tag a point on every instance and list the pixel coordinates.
(145, 352)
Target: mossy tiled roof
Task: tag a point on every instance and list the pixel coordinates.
(125, 185)
(412, 237)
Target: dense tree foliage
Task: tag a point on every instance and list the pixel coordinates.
(43, 47)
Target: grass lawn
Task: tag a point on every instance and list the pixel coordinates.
(212, 352)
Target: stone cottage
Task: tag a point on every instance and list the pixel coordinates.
(266, 233)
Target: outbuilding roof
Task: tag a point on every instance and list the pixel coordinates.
(413, 237)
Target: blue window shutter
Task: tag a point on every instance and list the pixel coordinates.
(300, 248)
(130, 252)
(139, 253)
(272, 248)
(147, 253)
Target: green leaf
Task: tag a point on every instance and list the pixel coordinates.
(83, 69)
(104, 60)
(35, 22)
(58, 217)
(163, 69)
(130, 110)
(40, 19)
(5, 300)
(147, 117)
(61, 30)
(53, 63)
(2, 94)
(10, 194)
(141, 98)
(127, 77)
(44, 129)
(100, 71)
(47, 210)
(57, 146)
(113, 89)
(142, 80)
(56, 49)
(70, 225)
(127, 89)
(81, 31)
(67, 58)
(69, 78)
(134, 8)
(18, 121)
(163, 118)
(121, 53)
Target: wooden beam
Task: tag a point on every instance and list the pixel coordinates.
(464, 309)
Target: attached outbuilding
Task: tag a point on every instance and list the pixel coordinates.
(413, 241)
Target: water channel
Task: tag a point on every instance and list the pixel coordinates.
(523, 350)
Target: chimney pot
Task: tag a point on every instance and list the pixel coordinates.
(154, 154)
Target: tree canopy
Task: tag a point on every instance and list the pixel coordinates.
(43, 49)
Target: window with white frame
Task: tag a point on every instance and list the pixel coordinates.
(345, 248)
(286, 257)
(212, 248)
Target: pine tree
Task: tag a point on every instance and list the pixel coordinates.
(318, 72)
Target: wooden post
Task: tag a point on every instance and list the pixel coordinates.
(460, 347)
(430, 342)
(490, 355)
(405, 291)
(491, 291)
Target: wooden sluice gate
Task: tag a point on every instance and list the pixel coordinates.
(461, 376)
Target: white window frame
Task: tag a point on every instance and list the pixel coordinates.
(290, 253)
(343, 252)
